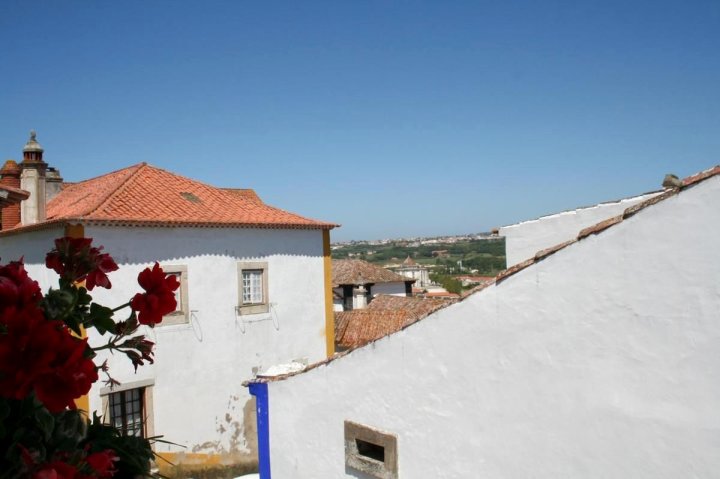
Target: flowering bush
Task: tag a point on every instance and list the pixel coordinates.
(45, 364)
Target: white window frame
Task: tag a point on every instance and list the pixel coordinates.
(253, 308)
(182, 315)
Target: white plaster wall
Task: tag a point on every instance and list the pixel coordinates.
(33, 247)
(417, 273)
(393, 289)
(524, 239)
(199, 367)
(599, 362)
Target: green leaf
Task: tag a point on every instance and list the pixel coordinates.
(58, 303)
(70, 427)
(101, 318)
(4, 413)
(46, 421)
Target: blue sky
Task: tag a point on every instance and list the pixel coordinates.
(393, 118)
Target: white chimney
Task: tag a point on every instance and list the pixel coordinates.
(360, 298)
(32, 179)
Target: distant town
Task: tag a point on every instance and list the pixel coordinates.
(455, 262)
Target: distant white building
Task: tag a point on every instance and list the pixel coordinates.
(411, 269)
(596, 359)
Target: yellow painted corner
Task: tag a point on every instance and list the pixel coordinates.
(329, 314)
(78, 231)
(75, 231)
(168, 463)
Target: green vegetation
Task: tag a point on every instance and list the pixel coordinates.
(471, 256)
(448, 282)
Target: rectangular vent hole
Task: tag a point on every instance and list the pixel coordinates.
(368, 449)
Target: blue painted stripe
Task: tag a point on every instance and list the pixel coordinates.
(260, 391)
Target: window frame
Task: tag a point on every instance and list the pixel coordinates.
(146, 402)
(182, 316)
(359, 460)
(253, 308)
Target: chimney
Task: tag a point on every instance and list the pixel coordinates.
(53, 183)
(32, 179)
(10, 176)
(360, 297)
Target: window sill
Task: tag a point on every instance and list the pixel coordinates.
(253, 309)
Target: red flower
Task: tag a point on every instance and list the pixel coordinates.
(16, 288)
(70, 376)
(56, 470)
(43, 356)
(103, 463)
(159, 297)
(75, 260)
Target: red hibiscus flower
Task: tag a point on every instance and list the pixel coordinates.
(103, 463)
(75, 260)
(159, 297)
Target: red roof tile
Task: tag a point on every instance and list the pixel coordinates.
(10, 195)
(357, 271)
(384, 315)
(145, 195)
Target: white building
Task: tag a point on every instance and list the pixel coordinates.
(255, 291)
(596, 359)
(411, 269)
(524, 239)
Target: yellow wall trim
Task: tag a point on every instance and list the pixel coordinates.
(78, 231)
(329, 314)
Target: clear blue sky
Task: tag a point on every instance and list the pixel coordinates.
(394, 118)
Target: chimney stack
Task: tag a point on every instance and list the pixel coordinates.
(360, 297)
(10, 176)
(32, 179)
(53, 183)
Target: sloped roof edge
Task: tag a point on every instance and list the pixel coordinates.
(687, 183)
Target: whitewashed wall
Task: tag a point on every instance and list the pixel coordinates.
(32, 247)
(197, 394)
(418, 273)
(600, 361)
(524, 239)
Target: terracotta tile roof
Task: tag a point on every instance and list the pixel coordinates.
(357, 271)
(384, 315)
(145, 195)
(541, 255)
(245, 193)
(409, 261)
(441, 294)
(11, 196)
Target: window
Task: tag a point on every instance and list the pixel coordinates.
(127, 411)
(371, 451)
(129, 407)
(253, 283)
(181, 315)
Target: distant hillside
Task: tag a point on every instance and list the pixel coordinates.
(447, 256)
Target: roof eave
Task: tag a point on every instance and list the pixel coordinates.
(136, 223)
